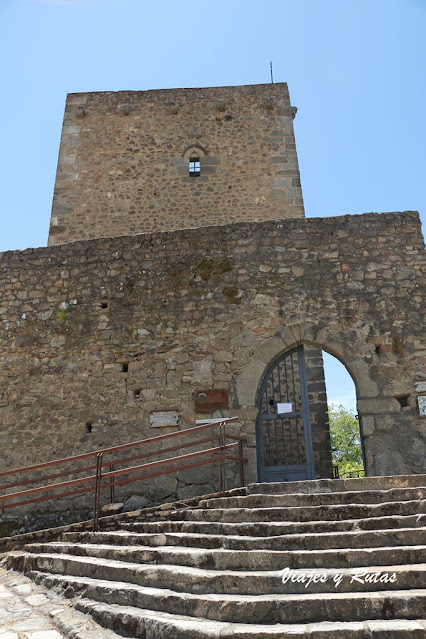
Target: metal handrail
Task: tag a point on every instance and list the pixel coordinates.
(356, 473)
(86, 468)
(113, 449)
(220, 454)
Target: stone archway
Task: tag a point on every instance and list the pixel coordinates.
(377, 397)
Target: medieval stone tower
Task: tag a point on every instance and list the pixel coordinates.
(145, 161)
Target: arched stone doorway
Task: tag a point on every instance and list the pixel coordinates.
(392, 444)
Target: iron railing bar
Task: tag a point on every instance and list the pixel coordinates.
(295, 406)
(240, 453)
(283, 436)
(39, 489)
(118, 461)
(295, 402)
(270, 381)
(233, 458)
(198, 453)
(238, 439)
(165, 450)
(276, 411)
(80, 491)
(264, 431)
(280, 386)
(276, 441)
(113, 449)
(287, 390)
(37, 480)
(97, 502)
(83, 480)
(222, 461)
(111, 488)
(163, 472)
(266, 397)
(269, 443)
(279, 381)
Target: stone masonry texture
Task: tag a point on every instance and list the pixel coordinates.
(123, 161)
(96, 335)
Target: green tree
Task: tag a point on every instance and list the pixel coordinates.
(345, 439)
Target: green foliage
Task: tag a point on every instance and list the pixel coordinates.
(345, 439)
(62, 314)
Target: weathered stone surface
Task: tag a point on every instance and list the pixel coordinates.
(130, 174)
(110, 509)
(75, 370)
(340, 579)
(28, 611)
(135, 502)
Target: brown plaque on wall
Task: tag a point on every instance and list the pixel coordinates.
(207, 401)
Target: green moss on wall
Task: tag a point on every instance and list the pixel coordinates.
(208, 267)
(231, 294)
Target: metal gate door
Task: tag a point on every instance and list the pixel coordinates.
(283, 428)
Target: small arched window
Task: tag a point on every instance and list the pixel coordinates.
(194, 165)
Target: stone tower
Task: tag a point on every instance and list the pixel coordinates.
(144, 161)
(133, 162)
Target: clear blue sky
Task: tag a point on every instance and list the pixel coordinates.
(355, 70)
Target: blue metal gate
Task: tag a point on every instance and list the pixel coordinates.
(283, 428)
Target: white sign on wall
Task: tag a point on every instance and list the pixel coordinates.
(285, 407)
(162, 418)
(421, 403)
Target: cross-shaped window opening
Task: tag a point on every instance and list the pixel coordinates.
(194, 165)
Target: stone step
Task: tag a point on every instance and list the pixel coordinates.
(340, 559)
(317, 499)
(137, 622)
(260, 609)
(249, 582)
(338, 485)
(220, 559)
(302, 513)
(306, 541)
(273, 528)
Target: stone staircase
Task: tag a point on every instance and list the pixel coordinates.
(337, 559)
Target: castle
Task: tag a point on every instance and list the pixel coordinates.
(180, 262)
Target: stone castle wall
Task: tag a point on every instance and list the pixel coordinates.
(123, 161)
(94, 336)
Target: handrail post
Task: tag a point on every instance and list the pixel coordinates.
(222, 458)
(97, 492)
(240, 455)
(112, 487)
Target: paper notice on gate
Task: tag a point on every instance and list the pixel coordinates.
(286, 407)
